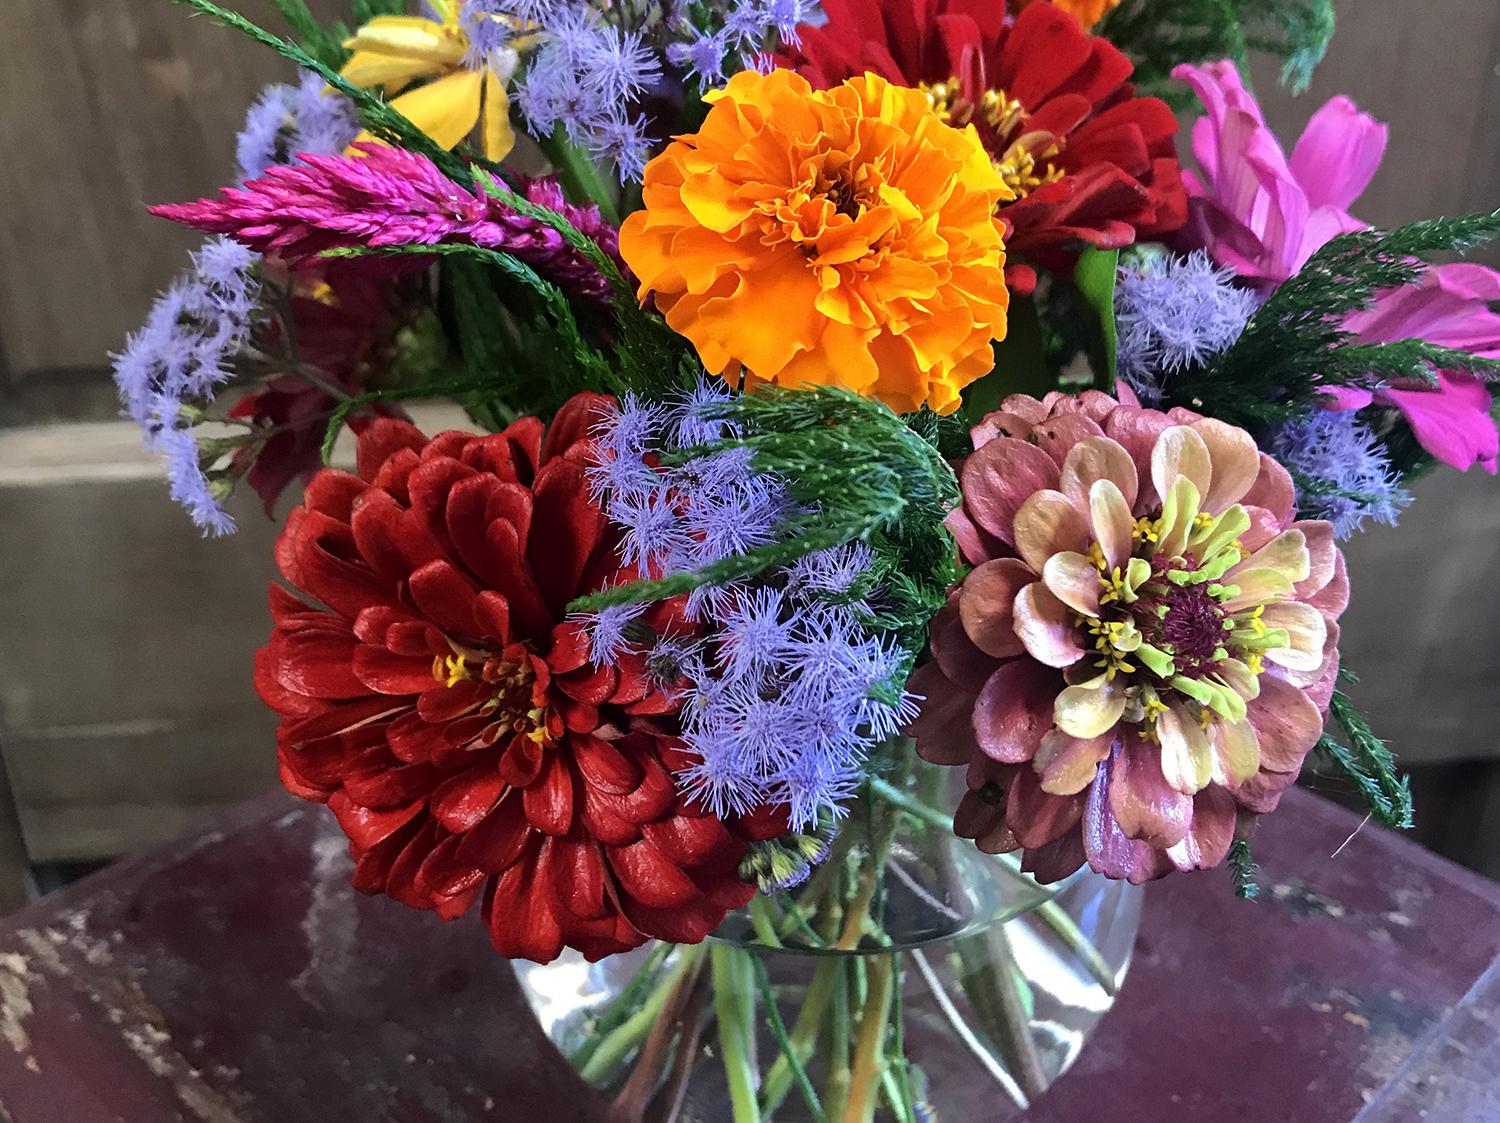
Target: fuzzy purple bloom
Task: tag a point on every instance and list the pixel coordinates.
(180, 357)
(1341, 469)
(1172, 313)
(288, 120)
(790, 684)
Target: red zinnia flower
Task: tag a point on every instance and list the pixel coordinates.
(1088, 160)
(446, 710)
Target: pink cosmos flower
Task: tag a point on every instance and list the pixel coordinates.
(1262, 216)
(1450, 306)
(1256, 212)
(1145, 648)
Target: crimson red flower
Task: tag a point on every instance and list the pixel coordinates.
(345, 315)
(436, 696)
(1090, 162)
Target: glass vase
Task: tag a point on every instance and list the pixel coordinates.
(911, 978)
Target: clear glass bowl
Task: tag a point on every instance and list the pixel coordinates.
(913, 978)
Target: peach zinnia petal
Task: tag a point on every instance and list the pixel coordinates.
(1072, 579)
(1067, 764)
(1286, 723)
(1236, 463)
(1109, 511)
(1048, 523)
(1180, 453)
(1045, 626)
(986, 605)
(1145, 804)
(1014, 711)
(999, 478)
(1093, 459)
(1186, 760)
(1305, 628)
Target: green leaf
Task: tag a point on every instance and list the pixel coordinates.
(322, 43)
(1368, 764)
(1020, 363)
(1095, 276)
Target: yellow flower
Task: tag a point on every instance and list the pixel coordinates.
(834, 237)
(392, 52)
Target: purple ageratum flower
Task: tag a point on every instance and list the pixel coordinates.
(1342, 470)
(392, 197)
(1175, 312)
(620, 65)
(756, 635)
(326, 120)
(695, 419)
(623, 141)
(189, 486)
(831, 573)
(608, 632)
(701, 55)
(287, 120)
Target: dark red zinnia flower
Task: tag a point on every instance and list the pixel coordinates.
(1090, 162)
(434, 693)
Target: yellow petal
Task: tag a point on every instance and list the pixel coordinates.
(446, 110)
(411, 37)
(1090, 709)
(371, 68)
(1177, 514)
(499, 138)
(1306, 632)
(1236, 752)
(1186, 760)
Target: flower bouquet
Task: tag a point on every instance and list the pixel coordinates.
(901, 494)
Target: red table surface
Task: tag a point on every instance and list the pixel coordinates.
(235, 978)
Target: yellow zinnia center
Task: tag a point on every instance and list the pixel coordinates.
(1022, 157)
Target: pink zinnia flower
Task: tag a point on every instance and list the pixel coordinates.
(1145, 647)
(1262, 216)
(1258, 213)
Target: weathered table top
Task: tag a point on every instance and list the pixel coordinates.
(235, 978)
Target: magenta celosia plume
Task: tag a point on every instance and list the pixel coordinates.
(1263, 216)
(1144, 650)
(392, 197)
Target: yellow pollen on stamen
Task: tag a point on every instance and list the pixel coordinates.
(450, 670)
(1146, 530)
(1096, 555)
(1256, 664)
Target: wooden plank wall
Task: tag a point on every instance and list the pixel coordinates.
(125, 704)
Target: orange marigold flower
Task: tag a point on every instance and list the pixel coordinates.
(1086, 12)
(836, 237)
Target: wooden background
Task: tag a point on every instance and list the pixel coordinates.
(125, 704)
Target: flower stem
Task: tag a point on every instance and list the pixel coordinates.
(762, 921)
(868, 1053)
(836, 1044)
(778, 1081)
(732, 1007)
(789, 1050)
(616, 1045)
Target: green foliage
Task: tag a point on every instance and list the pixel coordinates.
(1296, 343)
(1159, 34)
(1243, 869)
(322, 43)
(858, 473)
(1094, 277)
(1368, 764)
